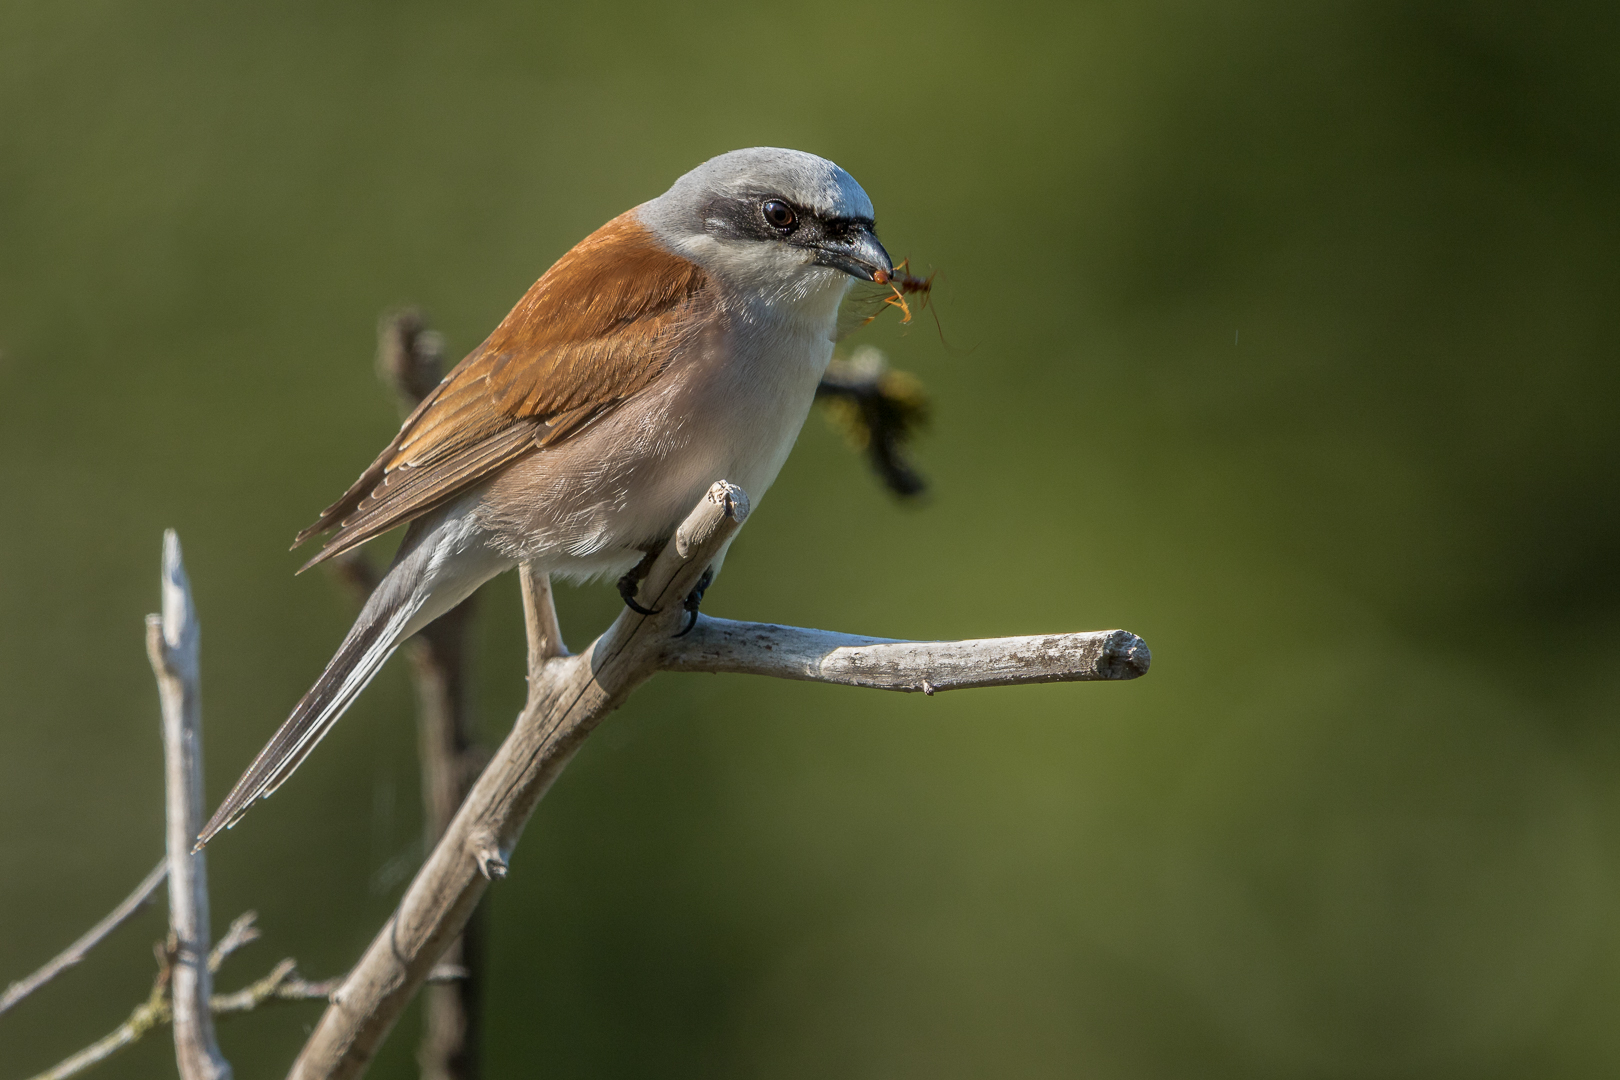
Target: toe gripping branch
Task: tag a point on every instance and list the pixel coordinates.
(627, 589)
(632, 581)
(694, 600)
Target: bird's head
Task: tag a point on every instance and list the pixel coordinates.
(772, 218)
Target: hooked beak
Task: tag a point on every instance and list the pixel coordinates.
(857, 253)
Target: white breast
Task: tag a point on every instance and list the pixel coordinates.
(730, 408)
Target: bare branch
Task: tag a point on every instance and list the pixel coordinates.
(410, 361)
(788, 652)
(152, 1013)
(88, 940)
(410, 356)
(570, 695)
(540, 619)
(566, 701)
(283, 983)
(242, 932)
(171, 644)
(450, 758)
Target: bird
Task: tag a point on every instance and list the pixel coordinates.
(679, 344)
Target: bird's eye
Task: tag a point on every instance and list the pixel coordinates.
(780, 215)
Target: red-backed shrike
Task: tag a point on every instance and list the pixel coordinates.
(679, 344)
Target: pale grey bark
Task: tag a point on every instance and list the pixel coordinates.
(283, 983)
(790, 652)
(570, 695)
(171, 644)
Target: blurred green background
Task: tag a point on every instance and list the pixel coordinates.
(1281, 334)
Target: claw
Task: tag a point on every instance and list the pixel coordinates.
(627, 590)
(694, 600)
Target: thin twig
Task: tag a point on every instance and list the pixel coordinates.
(89, 939)
(243, 931)
(171, 645)
(283, 983)
(152, 1013)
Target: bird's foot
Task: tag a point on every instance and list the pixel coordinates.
(632, 580)
(694, 599)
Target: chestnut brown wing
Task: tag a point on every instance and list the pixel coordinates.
(598, 327)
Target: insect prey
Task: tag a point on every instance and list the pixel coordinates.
(901, 284)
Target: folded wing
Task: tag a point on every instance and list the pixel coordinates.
(599, 326)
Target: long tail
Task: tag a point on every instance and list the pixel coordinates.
(421, 585)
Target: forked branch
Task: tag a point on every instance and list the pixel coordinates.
(282, 983)
(570, 695)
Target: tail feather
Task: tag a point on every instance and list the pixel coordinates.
(369, 644)
(439, 564)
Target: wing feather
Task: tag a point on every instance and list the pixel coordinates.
(598, 327)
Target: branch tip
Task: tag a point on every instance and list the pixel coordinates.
(698, 526)
(1126, 656)
(172, 645)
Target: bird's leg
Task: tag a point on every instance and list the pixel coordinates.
(694, 599)
(632, 580)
